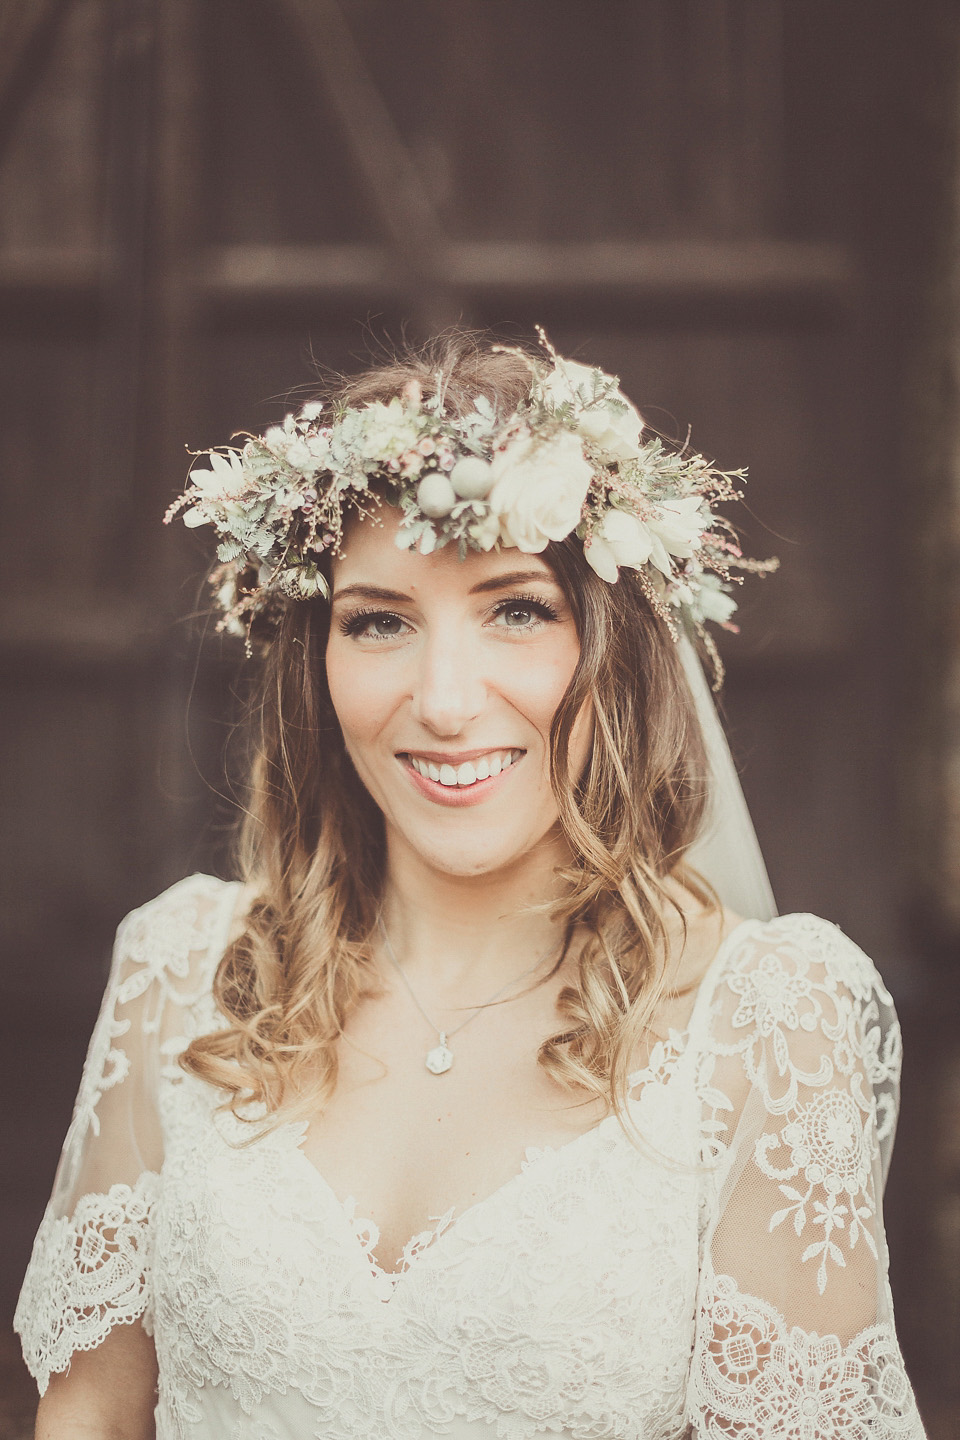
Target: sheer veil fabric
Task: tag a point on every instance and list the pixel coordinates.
(728, 1276)
(727, 853)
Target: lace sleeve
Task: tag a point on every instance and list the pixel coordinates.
(90, 1266)
(798, 1068)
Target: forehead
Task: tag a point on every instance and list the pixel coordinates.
(371, 556)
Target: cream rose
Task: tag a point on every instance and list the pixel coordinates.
(538, 491)
(622, 539)
(609, 421)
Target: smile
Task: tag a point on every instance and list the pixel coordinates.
(478, 768)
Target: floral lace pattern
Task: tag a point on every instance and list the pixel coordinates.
(832, 1101)
(756, 1377)
(579, 1299)
(88, 1273)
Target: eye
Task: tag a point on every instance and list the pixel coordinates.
(373, 625)
(523, 613)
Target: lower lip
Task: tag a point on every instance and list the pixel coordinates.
(456, 796)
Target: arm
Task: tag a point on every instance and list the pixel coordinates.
(795, 1331)
(85, 1310)
(108, 1394)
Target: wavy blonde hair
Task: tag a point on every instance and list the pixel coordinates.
(312, 841)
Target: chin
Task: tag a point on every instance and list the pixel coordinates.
(487, 851)
(470, 860)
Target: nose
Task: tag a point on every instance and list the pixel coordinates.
(449, 688)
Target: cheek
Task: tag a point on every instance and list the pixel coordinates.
(539, 684)
(357, 692)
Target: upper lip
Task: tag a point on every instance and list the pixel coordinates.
(459, 757)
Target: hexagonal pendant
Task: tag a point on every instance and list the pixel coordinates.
(439, 1059)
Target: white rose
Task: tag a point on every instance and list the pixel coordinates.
(622, 539)
(676, 528)
(539, 489)
(610, 423)
(615, 432)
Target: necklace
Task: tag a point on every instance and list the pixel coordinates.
(439, 1059)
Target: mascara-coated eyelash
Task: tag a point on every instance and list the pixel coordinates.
(542, 608)
(357, 622)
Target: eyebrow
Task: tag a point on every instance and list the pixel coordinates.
(397, 597)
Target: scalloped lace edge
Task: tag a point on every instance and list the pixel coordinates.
(88, 1273)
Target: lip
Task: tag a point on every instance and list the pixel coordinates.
(453, 796)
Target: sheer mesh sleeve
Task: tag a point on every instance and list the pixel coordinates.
(90, 1266)
(798, 1069)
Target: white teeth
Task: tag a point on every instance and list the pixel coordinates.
(470, 771)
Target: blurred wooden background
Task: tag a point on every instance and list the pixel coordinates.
(746, 208)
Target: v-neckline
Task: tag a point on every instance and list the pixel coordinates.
(386, 1282)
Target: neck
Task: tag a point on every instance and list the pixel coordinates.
(470, 932)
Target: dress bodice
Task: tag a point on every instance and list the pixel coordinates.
(710, 1263)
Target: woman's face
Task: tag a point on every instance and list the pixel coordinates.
(445, 675)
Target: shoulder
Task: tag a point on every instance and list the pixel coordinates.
(178, 935)
(795, 1008)
(768, 963)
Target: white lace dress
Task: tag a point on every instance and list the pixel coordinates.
(728, 1277)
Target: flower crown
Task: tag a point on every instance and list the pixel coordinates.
(569, 460)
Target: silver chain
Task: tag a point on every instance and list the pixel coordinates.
(440, 1058)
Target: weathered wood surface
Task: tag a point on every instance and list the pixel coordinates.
(194, 198)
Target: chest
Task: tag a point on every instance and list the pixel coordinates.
(409, 1146)
(567, 1292)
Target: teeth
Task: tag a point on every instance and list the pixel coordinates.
(469, 772)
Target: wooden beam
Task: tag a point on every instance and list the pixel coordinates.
(686, 270)
(49, 273)
(231, 274)
(234, 277)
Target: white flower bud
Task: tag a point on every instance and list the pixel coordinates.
(435, 495)
(472, 478)
(299, 457)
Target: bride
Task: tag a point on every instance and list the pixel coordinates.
(493, 1100)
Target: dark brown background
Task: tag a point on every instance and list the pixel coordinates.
(746, 208)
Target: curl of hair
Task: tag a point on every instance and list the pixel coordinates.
(312, 840)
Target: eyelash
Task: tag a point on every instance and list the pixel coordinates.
(355, 623)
